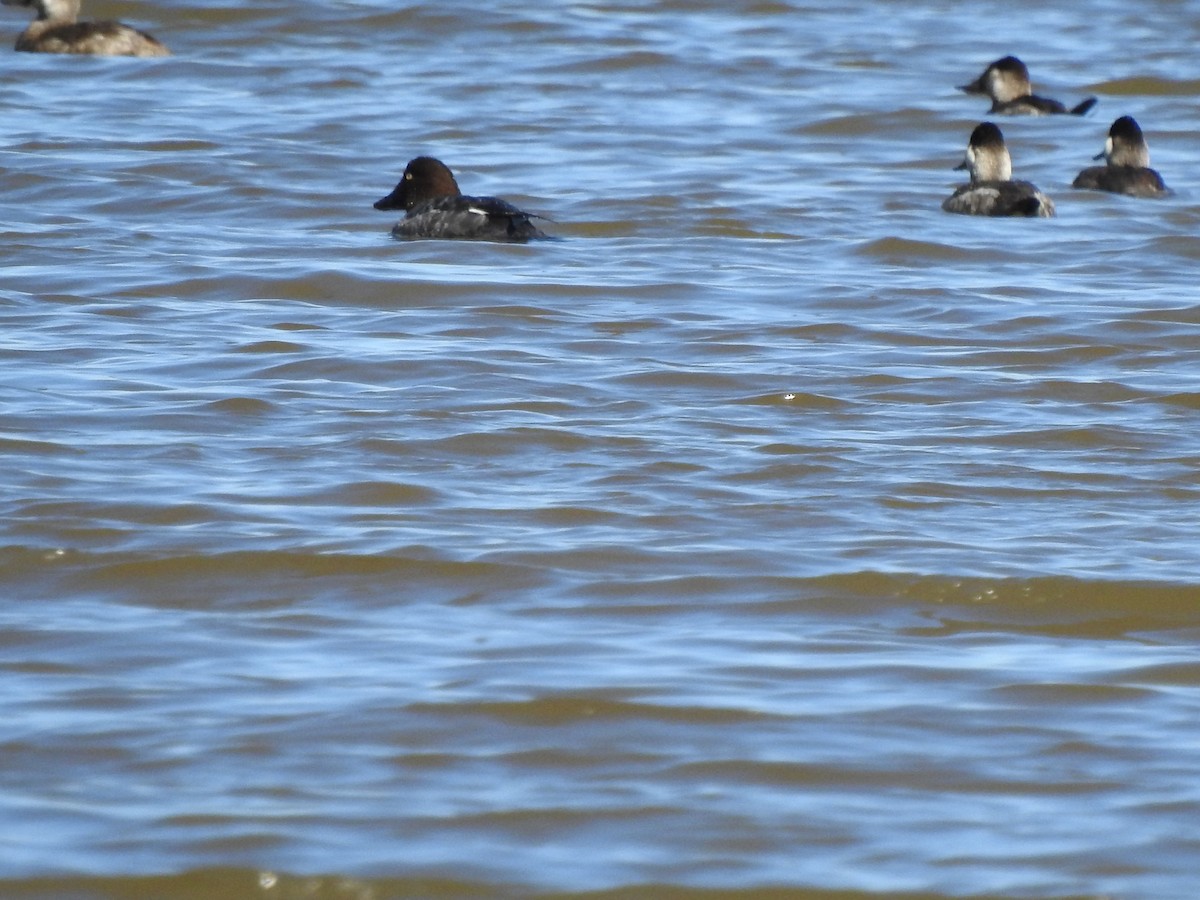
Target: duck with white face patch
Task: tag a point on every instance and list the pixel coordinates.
(1127, 164)
(1006, 81)
(992, 191)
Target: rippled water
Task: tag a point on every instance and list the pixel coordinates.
(771, 534)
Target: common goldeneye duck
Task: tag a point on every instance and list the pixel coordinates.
(56, 31)
(992, 192)
(1006, 81)
(1127, 169)
(435, 208)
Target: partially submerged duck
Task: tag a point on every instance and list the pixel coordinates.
(1127, 164)
(55, 30)
(992, 192)
(1006, 81)
(434, 207)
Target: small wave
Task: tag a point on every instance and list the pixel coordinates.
(908, 251)
(1063, 605)
(248, 884)
(1184, 246)
(271, 347)
(241, 406)
(1148, 86)
(561, 710)
(256, 578)
(1187, 400)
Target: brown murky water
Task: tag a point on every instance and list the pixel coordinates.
(772, 534)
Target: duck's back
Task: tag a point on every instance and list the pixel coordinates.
(1029, 105)
(467, 218)
(1033, 105)
(999, 198)
(1135, 181)
(90, 38)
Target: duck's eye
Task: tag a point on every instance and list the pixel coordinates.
(408, 176)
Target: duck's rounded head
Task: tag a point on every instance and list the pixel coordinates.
(424, 179)
(1126, 145)
(987, 157)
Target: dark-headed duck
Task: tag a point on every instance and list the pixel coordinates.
(434, 207)
(1006, 81)
(1127, 169)
(992, 192)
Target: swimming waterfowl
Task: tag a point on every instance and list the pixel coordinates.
(1127, 164)
(55, 30)
(1006, 81)
(992, 192)
(434, 207)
